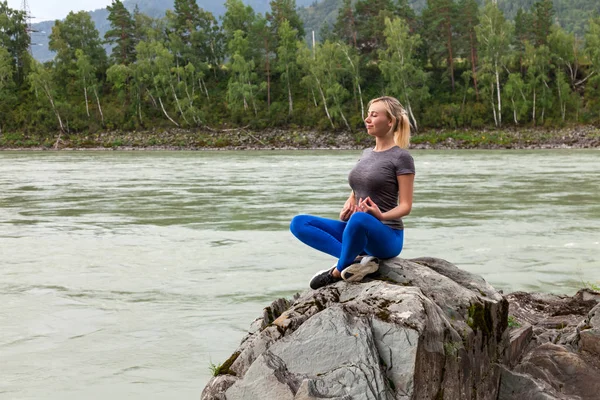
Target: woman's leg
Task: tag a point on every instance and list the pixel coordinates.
(365, 233)
(319, 233)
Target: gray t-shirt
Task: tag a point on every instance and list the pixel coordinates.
(376, 176)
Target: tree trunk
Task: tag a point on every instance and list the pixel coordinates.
(205, 89)
(494, 106)
(178, 105)
(499, 98)
(268, 68)
(87, 107)
(533, 115)
(49, 95)
(408, 108)
(98, 103)
(450, 56)
(152, 98)
(289, 88)
(165, 112)
(252, 98)
(474, 63)
(325, 103)
(357, 81)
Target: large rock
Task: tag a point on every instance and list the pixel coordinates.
(421, 329)
(418, 329)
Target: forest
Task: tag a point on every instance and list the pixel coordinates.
(456, 65)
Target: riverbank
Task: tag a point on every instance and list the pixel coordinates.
(243, 139)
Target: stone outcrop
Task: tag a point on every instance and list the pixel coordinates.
(417, 329)
(556, 350)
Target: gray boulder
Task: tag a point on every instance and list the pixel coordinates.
(419, 329)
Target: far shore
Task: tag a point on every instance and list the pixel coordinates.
(576, 137)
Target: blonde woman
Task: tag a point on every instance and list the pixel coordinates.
(382, 193)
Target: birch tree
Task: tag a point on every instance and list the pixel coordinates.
(286, 59)
(41, 82)
(87, 74)
(6, 84)
(494, 36)
(567, 54)
(537, 62)
(592, 50)
(241, 88)
(405, 78)
(154, 72)
(514, 90)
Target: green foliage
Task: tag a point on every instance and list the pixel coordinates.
(593, 286)
(512, 322)
(454, 67)
(405, 78)
(494, 33)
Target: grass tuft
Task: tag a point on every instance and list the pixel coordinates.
(591, 286)
(512, 322)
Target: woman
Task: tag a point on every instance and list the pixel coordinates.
(382, 193)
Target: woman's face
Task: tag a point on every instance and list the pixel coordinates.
(377, 122)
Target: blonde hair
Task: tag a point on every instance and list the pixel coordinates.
(399, 117)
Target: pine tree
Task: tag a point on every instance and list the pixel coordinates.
(439, 18)
(370, 17)
(282, 10)
(344, 28)
(122, 33)
(469, 18)
(543, 13)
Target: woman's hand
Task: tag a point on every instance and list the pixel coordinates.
(367, 205)
(348, 209)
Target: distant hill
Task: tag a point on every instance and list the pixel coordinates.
(153, 8)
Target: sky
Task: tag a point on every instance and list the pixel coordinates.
(44, 10)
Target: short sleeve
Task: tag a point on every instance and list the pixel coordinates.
(404, 164)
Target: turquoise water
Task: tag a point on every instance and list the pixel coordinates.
(125, 274)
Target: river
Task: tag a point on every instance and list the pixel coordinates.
(125, 274)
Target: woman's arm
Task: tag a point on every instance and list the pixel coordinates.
(405, 200)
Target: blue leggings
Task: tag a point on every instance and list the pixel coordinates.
(362, 234)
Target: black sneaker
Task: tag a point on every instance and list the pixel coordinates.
(357, 271)
(323, 278)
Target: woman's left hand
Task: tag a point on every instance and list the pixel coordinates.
(367, 205)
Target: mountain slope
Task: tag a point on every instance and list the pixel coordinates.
(153, 8)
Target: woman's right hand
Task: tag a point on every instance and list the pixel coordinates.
(348, 209)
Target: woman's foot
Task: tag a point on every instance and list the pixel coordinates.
(356, 272)
(324, 278)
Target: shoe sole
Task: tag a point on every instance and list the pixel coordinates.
(356, 272)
